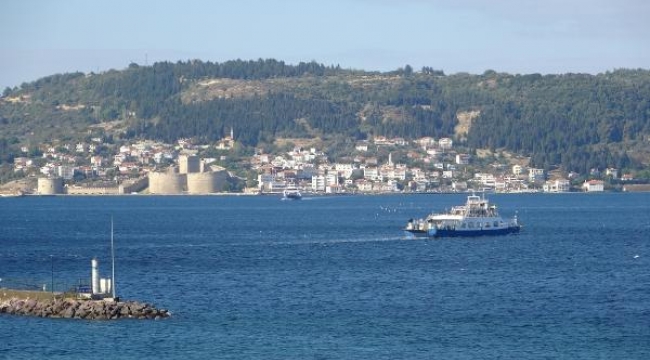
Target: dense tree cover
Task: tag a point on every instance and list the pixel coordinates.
(254, 120)
(574, 121)
(563, 119)
(6, 151)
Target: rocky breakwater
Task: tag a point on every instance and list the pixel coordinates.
(81, 309)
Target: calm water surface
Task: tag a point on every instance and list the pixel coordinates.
(336, 278)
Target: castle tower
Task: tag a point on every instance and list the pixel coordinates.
(188, 164)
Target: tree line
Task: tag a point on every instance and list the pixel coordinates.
(572, 121)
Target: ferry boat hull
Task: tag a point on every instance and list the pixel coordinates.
(440, 233)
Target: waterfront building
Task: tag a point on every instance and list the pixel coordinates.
(558, 185)
(594, 186)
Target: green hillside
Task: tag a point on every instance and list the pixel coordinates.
(572, 121)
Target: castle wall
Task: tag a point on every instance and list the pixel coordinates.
(134, 185)
(168, 183)
(99, 190)
(50, 186)
(206, 183)
(201, 183)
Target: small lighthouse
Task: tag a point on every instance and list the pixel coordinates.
(100, 288)
(94, 276)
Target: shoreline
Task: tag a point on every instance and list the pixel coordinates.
(310, 194)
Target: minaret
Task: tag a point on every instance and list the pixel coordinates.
(232, 133)
(390, 159)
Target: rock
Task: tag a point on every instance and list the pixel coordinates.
(18, 305)
(82, 312)
(136, 307)
(30, 304)
(69, 313)
(82, 309)
(57, 306)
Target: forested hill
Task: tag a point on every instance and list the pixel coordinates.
(574, 121)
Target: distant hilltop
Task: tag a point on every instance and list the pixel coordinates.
(575, 122)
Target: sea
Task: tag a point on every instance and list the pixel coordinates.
(334, 277)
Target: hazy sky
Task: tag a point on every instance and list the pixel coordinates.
(45, 37)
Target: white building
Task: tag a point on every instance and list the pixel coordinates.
(400, 172)
(125, 149)
(433, 152)
(318, 183)
(371, 173)
(612, 172)
(426, 142)
(535, 174)
(445, 143)
(65, 172)
(331, 183)
(485, 179)
(96, 160)
(418, 174)
(81, 147)
(594, 186)
(265, 182)
(364, 185)
(462, 159)
(559, 185)
(344, 169)
(500, 185)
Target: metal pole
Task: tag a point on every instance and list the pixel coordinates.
(112, 260)
(52, 272)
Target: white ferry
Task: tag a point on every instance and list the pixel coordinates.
(292, 194)
(476, 218)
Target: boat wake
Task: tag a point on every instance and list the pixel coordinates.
(326, 242)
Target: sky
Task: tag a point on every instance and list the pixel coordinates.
(45, 37)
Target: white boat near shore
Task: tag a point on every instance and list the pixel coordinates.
(291, 194)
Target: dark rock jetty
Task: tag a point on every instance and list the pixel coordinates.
(81, 309)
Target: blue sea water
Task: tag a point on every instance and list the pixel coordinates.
(336, 278)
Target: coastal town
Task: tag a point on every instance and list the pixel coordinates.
(148, 167)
